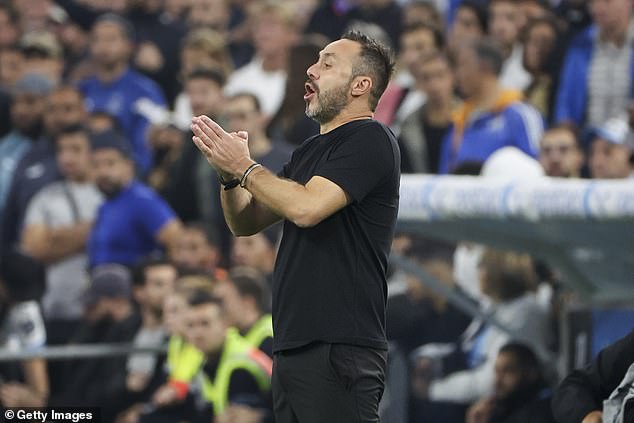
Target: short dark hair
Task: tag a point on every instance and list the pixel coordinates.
(489, 54)
(251, 283)
(200, 296)
(254, 99)
(154, 260)
(72, 130)
(479, 11)
(211, 74)
(127, 29)
(524, 356)
(207, 231)
(439, 36)
(376, 61)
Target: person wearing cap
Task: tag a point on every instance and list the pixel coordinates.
(134, 221)
(27, 111)
(43, 55)
(611, 150)
(134, 99)
(57, 224)
(110, 317)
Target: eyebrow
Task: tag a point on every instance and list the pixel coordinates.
(326, 54)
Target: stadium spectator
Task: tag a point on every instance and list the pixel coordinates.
(196, 250)
(560, 153)
(595, 83)
(600, 391)
(43, 55)
(237, 371)
(27, 111)
(202, 48)
(110, 318)
(424, 130)
(189, 182)
(611, 150)
(154, 281)
(506, 22)
(246, 302)
(57, 224)
(404, 95)
(134, 99)
(470, 24)
(492, 117)
(64, 107)
(509, 281)
(243, 112)
(417, 315)
(541, 61)
(519, 395)
(133, 221)
(274, 33)
(183, 359)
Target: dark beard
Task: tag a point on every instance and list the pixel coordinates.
(331, 103)
(109, 191)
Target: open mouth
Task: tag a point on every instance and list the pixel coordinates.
(309, 91)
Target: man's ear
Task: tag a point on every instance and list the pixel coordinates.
(361, 85)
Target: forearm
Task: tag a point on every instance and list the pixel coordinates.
(36, 376)
(64, 242)
(285, 198)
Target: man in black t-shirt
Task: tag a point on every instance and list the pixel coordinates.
(338, 197)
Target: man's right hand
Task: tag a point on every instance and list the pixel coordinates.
(593, 417)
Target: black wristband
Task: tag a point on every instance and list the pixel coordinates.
(230, 184)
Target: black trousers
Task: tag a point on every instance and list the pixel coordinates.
(328, 383)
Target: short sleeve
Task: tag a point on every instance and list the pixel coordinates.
(152, 212)
(36, 210)
(360, 162)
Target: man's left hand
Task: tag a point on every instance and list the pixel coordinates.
(227, 152)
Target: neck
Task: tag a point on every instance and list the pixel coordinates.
(259, 145)
(81, 178)
(343, 118)
(507, 51)
(108, 74)
(487, 95)
(616, 34)
(274, 62)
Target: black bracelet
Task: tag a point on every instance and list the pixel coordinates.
(230, 184)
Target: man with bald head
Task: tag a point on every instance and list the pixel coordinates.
(338, 198)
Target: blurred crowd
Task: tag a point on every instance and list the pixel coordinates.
(110, 220)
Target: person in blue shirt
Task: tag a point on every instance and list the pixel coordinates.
(491, 117)
(135, 100)
(595, 80)
(133, 221)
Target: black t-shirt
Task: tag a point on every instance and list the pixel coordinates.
(329, 282)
